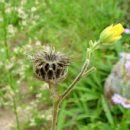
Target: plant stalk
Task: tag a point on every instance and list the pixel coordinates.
(10, 76)
(58, 99)
(55, 114)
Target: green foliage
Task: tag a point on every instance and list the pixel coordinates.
(68, 25)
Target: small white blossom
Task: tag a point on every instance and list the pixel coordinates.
(2, 50)
(32, 122)
(11, 29)
(126, 103)
(49, 117)
(1, 19)
(9, 65)
(38, 43)
(33, 9)
(1, 63)
(117, 98)
(24, 23)
(21, 13)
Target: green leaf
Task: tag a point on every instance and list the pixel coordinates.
(107, 111)
(62, 115)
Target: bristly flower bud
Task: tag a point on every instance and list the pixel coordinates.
(50, 66)
(111, 34)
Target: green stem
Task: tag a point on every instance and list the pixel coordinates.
(5, 32)
(55, 114)
(10, 76)
(16, 113)
(58, 99)
(76, 80)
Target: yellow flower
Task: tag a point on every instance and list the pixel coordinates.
(111, 34)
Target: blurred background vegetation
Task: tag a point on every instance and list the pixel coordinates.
(68, 25)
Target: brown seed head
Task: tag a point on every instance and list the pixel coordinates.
(50, 66)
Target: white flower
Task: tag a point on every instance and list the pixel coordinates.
(23, 2)
(117, 98)
(9, 65)
(126, 103)
(11, 29)
(2, 50)
(1, 19)
(125, 55)
(33, 9)
(23, 23)
(21, 13)
(49, 117)
(32, 122)
(38, 43)
(1, 63)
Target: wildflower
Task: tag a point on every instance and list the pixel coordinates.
(127, 31)
(44, 87)
(127, 65)
(117, 98)
(42, 116)
(111, 34)
(126, 103)
(38, 43)
(125, 55)
(11, 29)
(23, 2)
(21, 13)
(49, 65)
(1, 19)
(1, 63)
(32, 122)
(24, 23)
(2, 50)
(9, 65)
(49, 117)
(33, 9)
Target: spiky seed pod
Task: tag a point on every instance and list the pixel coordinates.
(49, 65)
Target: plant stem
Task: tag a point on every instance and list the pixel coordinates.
(5, 31)
(10, 76)
(55, 114)
(89, 71)
(58, 99)
(76, 80)
(16, 113)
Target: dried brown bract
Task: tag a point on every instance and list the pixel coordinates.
(50, 66)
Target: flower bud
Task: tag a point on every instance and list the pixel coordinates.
(111, 34)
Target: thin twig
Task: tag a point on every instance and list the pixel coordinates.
(59, 99)
(55, 100)
(76, 80)
(53, 93)
(55, 114)
(89, 71)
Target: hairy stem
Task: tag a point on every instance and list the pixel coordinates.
(55, 114)
(89, 71)
(58, 99)
(55, 99)
(76, 80)
(10, 76)
(16, 113)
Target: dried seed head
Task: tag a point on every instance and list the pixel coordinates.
(50, 66)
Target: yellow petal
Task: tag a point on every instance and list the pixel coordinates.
(117, 30)
(115, 39)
